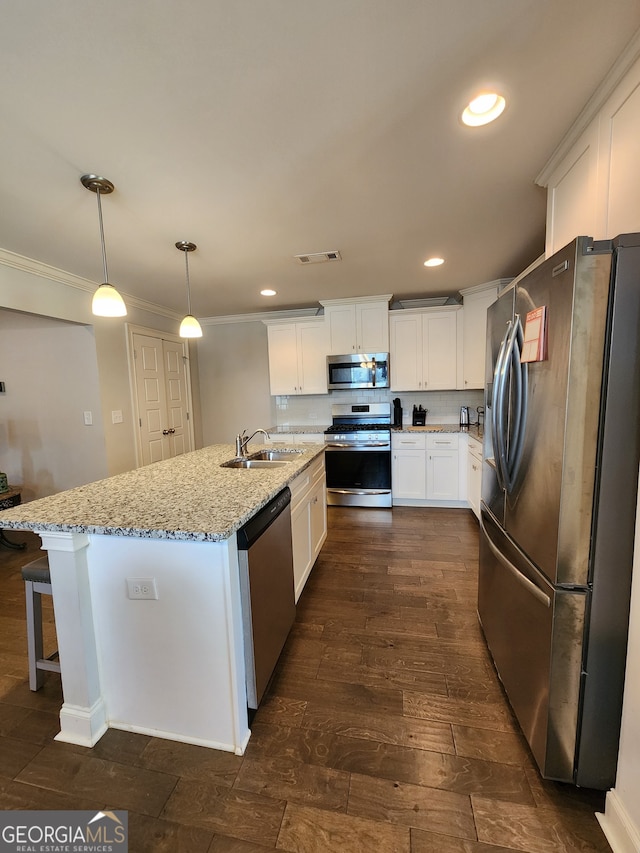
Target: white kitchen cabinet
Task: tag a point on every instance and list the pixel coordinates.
(593, 176)
(442, 467)
(424, 349)
(408, 466)
(426, 469)
(308, 520)
(476, 300)
(474, 474)
(297, 357)
(360, 325)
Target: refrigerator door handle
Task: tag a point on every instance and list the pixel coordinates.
(524, 581)
(497, 410)
(519, 372)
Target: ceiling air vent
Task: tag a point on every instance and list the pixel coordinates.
(318, 257)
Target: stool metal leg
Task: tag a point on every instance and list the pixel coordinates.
(34, 635)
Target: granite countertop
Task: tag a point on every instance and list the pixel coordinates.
(188, 498)
(474, 431)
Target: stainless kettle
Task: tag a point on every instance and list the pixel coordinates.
(464, 415)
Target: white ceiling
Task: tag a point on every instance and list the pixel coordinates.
(262, 129)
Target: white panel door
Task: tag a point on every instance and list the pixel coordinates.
(372, 326)
(439, 351)
(623, 213)
(341, 320)
(408, 474)
(312, 357)
(150, 387)
(283, 359)
(406, 351)
(176, 397)
(474, 325)
(162, 398)
(442, 475)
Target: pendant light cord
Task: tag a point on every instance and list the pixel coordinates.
(104, 251)
(186, 263)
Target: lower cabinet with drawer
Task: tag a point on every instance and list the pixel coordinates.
(408, 469)
(425, 469)
(442, 467)
(308, 520)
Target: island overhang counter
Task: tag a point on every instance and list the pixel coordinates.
(171, 666)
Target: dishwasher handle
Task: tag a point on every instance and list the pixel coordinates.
(255, 527)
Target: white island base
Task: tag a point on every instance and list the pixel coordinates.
(170, 667)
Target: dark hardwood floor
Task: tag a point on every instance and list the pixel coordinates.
(385, 729)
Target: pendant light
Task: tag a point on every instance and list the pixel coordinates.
(107, 302)
(189, 328)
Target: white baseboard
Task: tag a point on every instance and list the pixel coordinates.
(621, 833)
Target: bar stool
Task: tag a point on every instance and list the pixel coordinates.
(37, 582)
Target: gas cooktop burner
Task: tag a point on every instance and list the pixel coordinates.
(357, 428)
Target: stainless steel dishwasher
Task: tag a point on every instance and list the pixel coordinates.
(266, 581)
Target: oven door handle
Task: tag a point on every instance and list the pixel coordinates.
(360, 491)
(362, 446)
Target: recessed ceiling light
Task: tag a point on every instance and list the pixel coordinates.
(267, 292)
(434, 262)
(483, 109)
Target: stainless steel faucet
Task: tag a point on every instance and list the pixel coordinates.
(242, 441)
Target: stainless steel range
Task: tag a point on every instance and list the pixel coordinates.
(358, 455)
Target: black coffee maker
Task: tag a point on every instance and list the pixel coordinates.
(397, 413)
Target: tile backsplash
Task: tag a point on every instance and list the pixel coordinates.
(442, 406)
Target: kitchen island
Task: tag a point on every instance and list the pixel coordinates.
(171, 666)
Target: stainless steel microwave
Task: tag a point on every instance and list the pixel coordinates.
(358, 370)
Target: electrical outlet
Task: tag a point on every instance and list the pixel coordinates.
(116, 416)
(142, 588)
(88, 418)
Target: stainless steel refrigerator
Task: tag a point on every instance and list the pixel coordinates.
(559, 490)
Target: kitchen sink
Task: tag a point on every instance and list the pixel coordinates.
(275, 455)
(253, 463)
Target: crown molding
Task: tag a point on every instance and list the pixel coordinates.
(613, 78)
(262, 316)
(384, 297)
(499, 283)
(33, 267)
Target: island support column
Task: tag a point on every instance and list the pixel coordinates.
(82, 717)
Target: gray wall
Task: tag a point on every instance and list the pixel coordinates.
(50, 372)
(234, 381)
(95, 347)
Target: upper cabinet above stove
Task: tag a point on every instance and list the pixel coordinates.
(358, 325)
(424, 349)
(430, 349)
